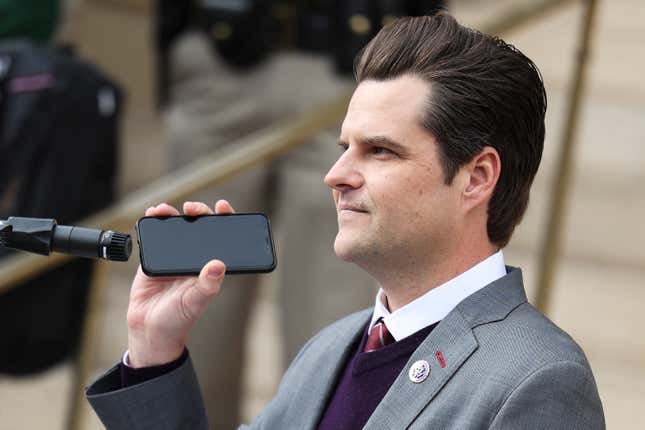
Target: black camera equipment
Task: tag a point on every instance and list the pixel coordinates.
(59, 135)
(242, 32)
(42, 236)
(356, 22)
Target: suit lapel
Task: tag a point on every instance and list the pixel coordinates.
(454, 339)
(405, 399)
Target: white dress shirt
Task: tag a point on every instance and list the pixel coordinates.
(434, 305)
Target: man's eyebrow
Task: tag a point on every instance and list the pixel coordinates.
(387, 142)
(380, 140)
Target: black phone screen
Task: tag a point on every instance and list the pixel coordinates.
(182, 245)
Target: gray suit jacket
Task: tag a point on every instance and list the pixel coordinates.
(506, 367)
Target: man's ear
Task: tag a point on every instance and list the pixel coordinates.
(483, 172)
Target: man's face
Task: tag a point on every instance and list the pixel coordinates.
(388, 184)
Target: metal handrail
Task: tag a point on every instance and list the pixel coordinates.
(561, 181)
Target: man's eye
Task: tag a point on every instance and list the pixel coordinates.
(343, 147)
(379, 150)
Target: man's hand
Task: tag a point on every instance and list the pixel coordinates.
(162, 310)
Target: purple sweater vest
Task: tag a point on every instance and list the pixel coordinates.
(365, 380)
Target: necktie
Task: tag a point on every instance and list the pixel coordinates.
(378, 337)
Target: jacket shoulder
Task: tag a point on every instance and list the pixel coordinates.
(547, 373)
(528, 341)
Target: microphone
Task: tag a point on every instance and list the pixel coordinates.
(42, 236)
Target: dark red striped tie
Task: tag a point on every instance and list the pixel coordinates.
(378, 337)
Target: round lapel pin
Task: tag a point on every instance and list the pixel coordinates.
(419, 371)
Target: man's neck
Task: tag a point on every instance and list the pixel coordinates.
(403, 285)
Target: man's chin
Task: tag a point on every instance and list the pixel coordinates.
(342, 253)
(347, 249)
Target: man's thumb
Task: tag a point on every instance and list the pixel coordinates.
(211, 277)
(207, 286)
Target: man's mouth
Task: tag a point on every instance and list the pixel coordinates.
(345, 207)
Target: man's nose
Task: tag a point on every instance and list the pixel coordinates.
(344, 174)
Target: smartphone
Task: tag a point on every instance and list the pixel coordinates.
(182, 245)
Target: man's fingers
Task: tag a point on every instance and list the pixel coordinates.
(163, 209)
(223, 207)
(197, 208)
(208, 285)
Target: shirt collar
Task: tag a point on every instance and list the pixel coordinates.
(434, 305)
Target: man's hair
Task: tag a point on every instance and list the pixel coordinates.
(483, 92)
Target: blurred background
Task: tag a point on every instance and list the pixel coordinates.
(142, 93)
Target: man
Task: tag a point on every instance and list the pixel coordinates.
(440, 144)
